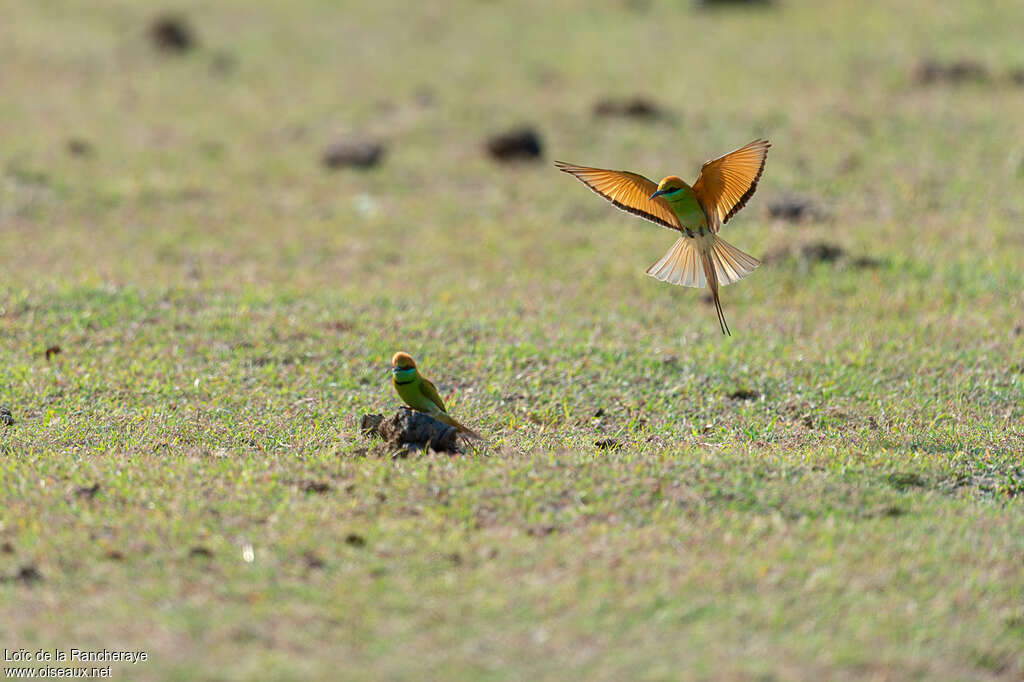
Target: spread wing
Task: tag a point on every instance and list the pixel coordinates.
(629, 191)
(430, 391)
(725, 184)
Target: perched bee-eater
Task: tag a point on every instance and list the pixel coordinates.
(419, 394)
(700, 257)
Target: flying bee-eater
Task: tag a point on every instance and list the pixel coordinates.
(418, 393)
(699, 257)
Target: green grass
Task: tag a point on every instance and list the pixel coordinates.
(226, 309)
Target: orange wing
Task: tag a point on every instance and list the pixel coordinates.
(629, 191)
(725, 184)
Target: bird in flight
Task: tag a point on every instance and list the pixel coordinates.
(418, 393)
(699, 257)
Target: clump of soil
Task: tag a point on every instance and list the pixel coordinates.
(932, 71)
(822, 252)
(744, 394)
(78, 146)
(5, 416)
(27, 575)
(520, 144)
(410, 430)
(87, 492)
(632, 107)
(793, 209)
(171, 33)
(732, 3)
(352, 153)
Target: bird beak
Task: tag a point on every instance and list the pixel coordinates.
(658, 193)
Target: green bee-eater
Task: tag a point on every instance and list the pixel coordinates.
(419, 394)
(699, 257)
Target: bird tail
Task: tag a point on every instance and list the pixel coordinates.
(704, 261)
(461, 428)
(711, 274)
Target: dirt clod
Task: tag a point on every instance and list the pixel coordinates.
(355, 540)
(631, 107)
(5, 416)
(171, 33)
(352, 152)
(608, 444)
(540, 531)
(200, 553)
(76, 146)
(732, 3)
(313, 560)
(867, 262)
(931, 71)
(317, 487)
(821, 252)
(793, 209)
(903, 480)
(408, 429)
(744, 394)
(51, 352)
(520, 144)
(87, 492)
(27, 575)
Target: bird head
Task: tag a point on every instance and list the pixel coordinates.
(669, 186)
(402, 365)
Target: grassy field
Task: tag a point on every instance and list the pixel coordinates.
(834, 492)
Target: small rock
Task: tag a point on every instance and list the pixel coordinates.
(52, 351)
(5, 416)
(515, 145)
(200, 553)
(171, 33)
(355, 540)
(352, 153)
(608, 444)
(408, 428)
(633, 107)
(6, 548)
